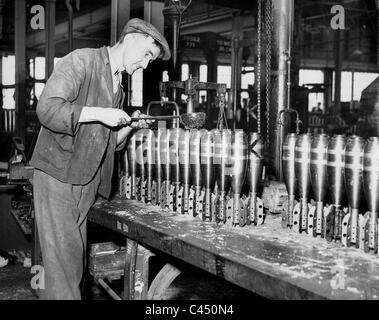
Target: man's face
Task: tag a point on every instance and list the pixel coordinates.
(138, 51)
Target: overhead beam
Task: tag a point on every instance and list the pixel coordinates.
(221, 23)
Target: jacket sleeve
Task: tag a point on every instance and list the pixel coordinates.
(56, 108)
(121, 146)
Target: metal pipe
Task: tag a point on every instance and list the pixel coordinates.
(235, 80)
(70, 25)
(173, 11)
(282, 32)
(338, 67)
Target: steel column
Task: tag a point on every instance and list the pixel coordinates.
(338, 56)
(49, 34)
(282, 11)
(236, 55)
(20, 57)
(120, 14)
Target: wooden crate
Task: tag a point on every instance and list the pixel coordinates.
(107, 260)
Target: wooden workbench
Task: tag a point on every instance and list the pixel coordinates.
(268, 260)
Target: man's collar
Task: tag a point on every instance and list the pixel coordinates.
(113, 64)
(112, 61)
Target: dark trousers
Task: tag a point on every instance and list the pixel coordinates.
(61, 214)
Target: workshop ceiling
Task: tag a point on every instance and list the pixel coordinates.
(92, 20)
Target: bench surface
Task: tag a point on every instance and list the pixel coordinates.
(268, 260)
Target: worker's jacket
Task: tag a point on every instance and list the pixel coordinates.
(69, 151)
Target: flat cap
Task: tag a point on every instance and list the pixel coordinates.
(136, 25)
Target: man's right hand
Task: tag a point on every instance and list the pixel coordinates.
(114, 117)
(109, 116)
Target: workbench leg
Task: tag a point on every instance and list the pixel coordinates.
(129, 271)
(136, 274)
(141, 275)
(162, 281)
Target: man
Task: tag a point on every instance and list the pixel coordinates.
(82, 127)
(317, 109)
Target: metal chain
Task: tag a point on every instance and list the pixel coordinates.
(259, 74)
(268, 18)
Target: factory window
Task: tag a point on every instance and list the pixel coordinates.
(247, 78)
(185, 72)
(203, 75)
(8, 76)
(310, 78)
(361, 81)
(37, 69)
(224, 75)
(8, 82)
(184, 77)
(137, 85)
(165, 76)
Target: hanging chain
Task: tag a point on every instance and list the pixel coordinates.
(259, 62)
(268, 18)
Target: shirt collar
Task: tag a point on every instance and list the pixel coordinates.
(114, 67)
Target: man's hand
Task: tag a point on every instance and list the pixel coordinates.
(109, 116)
(115, 117)
(140, 124)
(143, 121)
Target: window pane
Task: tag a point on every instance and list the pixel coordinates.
(185, 71)
(345, 86)
(361, 82)
(165, 76)
(38, 89)
(137, 84)
(244, 98)
(8, 76)
(224, 75)
(31, 68)
(203, 73)
(309, 76)
(247, 78)
(315, 100)
(8, 99)
(40, 68)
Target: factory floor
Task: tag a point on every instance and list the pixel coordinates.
(192, 284)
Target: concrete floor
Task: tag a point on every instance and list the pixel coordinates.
(15, 283)
(192, 284)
